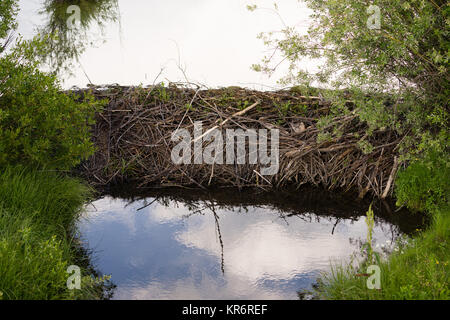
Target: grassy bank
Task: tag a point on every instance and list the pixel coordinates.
(37, 212)
(418, 270)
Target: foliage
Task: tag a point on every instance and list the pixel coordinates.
(424, 184)
(8, 11)
(40, 125)
(397, 75)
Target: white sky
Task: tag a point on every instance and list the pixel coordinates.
(216, 41)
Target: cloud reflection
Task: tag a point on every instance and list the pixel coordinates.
(158, 253)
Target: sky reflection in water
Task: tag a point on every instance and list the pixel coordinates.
(171, 252)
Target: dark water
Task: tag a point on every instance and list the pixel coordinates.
(227, 244)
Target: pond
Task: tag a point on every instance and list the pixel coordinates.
(227, 244)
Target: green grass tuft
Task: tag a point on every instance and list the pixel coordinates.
(38, 210)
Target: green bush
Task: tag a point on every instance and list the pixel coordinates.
(424, 184)
(39, 124)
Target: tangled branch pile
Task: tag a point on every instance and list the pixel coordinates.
(133, 140)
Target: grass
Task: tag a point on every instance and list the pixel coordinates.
(418, 270)
(38, 210)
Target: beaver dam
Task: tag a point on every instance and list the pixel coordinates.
(133, 139)
(171, 230)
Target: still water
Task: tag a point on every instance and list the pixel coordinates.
(227, 244)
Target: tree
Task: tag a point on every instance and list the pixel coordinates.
(397, 71)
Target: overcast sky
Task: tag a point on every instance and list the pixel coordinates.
(215, 40)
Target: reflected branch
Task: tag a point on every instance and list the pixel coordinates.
(216, 219)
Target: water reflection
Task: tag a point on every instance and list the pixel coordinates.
(170, 247)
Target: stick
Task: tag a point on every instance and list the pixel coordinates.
(227, 119)
(391, 178)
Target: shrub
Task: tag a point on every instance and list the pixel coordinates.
(39, 124)
(423, 185)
